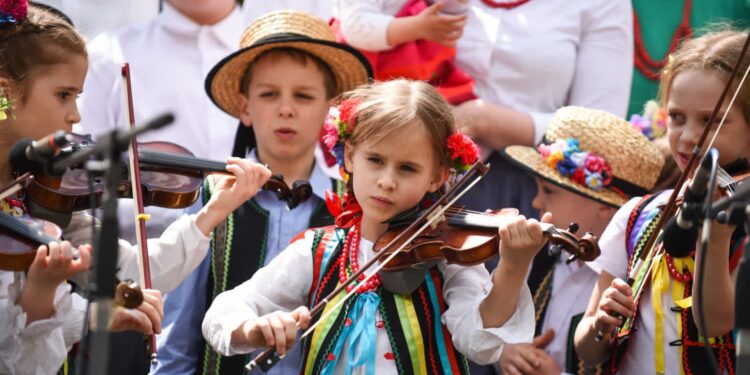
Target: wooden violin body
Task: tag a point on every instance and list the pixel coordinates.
(171, 177)
(472, 238)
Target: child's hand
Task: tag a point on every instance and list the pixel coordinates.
(527, 358)
(438, 27)
(52, 267)
(521, 239)
(231, 192)
(617, 299)
(49, 269)
(145, 318)
(277, 329)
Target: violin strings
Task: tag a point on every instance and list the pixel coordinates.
(453, 212)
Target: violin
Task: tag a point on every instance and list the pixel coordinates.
(171, 177)
(20, 238)
(470, 238)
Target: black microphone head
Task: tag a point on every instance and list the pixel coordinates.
(19, 160)
(679, 242)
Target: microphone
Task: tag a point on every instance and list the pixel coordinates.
(28, 155)
(681, 231)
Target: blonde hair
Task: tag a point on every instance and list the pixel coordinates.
(44, 38)
(714, 52)
(386, 107)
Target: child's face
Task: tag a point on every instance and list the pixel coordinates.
(286, 104)
(568, 207)
(50, 100)
(393, 175)
(692, 98)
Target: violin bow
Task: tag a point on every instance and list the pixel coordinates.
(671, 206)
(429, 217)
(135, 179)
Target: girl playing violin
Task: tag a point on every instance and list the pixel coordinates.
(397, 141)
(665, 338)
(42, 70)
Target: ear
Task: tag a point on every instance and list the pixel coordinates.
(242, 104)
(348, 157)
(5, 87)
(439, 179)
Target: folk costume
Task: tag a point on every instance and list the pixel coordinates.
(665, 338)
(260, 229)
(601, 157)
(380, 330)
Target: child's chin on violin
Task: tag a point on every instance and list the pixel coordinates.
(393, 156)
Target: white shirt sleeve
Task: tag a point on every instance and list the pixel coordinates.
(464, 289)
(40, 347)
(172, 257)
(283, 284)
(614, 257)
(604, 66)
(365, 23)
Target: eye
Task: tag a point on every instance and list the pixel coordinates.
(676, 118)
(304, 96)
(267, 94)
(408, 168)
(547, 191)
(64, 95)
(375, 160)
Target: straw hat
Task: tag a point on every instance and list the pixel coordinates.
(290, 29)
(635, 163)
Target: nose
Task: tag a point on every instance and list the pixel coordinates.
(691, 133)
(286, 107)
(386, 181)
(538, 202)
(73, 117)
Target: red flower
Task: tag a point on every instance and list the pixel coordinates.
(462, 150)
(17, 9)
(346, 113)
(579, 176)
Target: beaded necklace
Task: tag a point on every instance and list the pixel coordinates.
(643, 61)
(351, 250)
(684, 277)
(504, 4)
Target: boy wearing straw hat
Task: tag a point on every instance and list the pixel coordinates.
(280, 85)
(589, 164)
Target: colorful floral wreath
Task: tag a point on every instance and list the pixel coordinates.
(341, 122)
(653, 122)
(583, 167)
(12, 11)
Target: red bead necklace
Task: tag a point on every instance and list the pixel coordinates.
(504, 4)
(645, 64)
(684, 277)
(351, 249)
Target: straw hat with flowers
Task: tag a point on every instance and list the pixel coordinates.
(285, 29)
(593, 153)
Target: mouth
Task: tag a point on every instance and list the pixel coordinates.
(683, 158)
(382, 201)
(285, 133)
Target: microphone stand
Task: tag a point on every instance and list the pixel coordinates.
(102, 284)
(742, 303)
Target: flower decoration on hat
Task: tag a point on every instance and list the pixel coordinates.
(12, 11)
(583, 167)
(462, 151)
(653, 122)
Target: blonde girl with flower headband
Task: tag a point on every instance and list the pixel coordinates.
(398, 141)
(664, 337)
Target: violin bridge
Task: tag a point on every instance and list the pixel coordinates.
(435, 218)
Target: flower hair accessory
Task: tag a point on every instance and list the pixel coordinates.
(337, 129)
(12, 11)
(583, 167)
(462, 151)
(653, 122)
